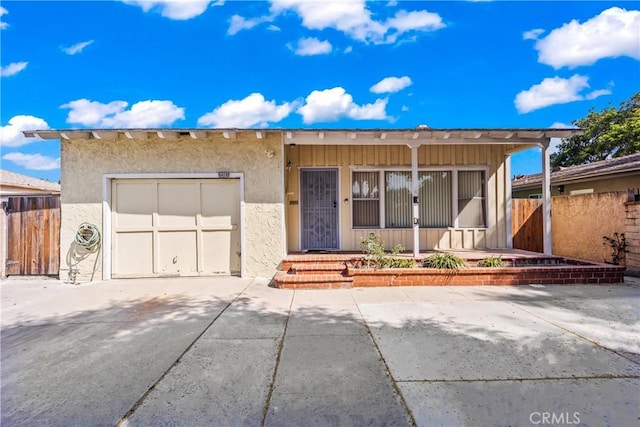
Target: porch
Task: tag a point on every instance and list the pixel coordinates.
(344, 269)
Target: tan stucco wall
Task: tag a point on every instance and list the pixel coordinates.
(632, 234)
(600, 185)
(578, 224)
(390, 157)
(84, 163)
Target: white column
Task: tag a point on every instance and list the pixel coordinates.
(546, 197)
(415, 192)
(507, 198)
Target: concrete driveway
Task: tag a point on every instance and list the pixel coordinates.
(229, 351)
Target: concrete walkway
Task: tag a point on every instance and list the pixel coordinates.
(229, 351)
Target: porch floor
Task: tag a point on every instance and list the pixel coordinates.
(340, 269)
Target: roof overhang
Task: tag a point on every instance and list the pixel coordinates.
(415, 136)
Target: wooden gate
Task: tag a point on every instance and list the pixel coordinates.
(526, 224)
(33, 235)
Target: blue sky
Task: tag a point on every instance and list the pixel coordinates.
(301, 63)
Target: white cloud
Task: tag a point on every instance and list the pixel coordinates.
(391, 84)
(273, 28)
(239, 23)
(251, 111)
(11, 134)
(419, 20)
(405, 108)
(76, 48)
(13, 68)
(597, 93)
(614, 32)
(33, 161)
(532, 34)
(355, 20)
(348, 49)
(312, 46)
(3, 25)
(144, 114)
(556, 90)
(561, 125)
(174, 9)
(333, 104)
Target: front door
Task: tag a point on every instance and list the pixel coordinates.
(319, 208)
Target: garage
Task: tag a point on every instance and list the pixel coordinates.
(175, 227)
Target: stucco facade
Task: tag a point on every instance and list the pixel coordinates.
(85, 162)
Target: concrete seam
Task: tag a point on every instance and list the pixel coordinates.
(491, 380)
(597, 344)
(139, 402)
(267, 402)
(394, 384)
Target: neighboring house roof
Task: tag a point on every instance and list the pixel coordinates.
(604, 168)
(421, 134)
(29, 184)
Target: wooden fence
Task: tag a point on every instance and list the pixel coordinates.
(526, 224)
(33, 235)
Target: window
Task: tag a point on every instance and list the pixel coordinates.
(397, 199)
(365, 195)
(383, 199)
(471, 206)
(435, 198)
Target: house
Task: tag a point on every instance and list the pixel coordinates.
(15, 184)
(617, 174)
(236, 201)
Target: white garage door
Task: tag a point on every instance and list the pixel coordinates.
(175, 227)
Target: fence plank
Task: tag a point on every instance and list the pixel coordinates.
(526, 220)
(33, 235)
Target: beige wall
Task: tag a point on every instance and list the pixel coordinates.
(343, 156)
(632, 234)
(84, 163)
(578, 224)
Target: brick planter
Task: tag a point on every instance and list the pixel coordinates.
(346, 270)
(548, 275)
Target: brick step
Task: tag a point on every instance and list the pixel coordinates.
(317, 268)
(284, 280)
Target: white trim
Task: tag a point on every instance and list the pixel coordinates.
(507, 201)
(415, 190)
(285, 245)
(546, 199)
(107, 180)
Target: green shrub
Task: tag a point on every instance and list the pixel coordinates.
(444, 261)
(377, 257)
(491, 261)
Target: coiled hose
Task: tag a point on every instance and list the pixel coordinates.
(88, 236)
(86, 242)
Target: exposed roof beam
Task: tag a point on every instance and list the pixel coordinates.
(75, 135)
(136, 134)
(167, 134)
(229, 135)
(197, 135)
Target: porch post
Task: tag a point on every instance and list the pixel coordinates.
(415, 192)
(546, 197)
(507, 190)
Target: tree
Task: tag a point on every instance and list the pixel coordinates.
(609, 133)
